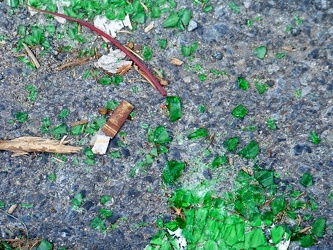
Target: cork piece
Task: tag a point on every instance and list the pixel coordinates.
(118, 118)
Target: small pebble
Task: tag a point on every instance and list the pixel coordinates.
(218, 55)
(270, 83)
(192, 25)
(314, 53)
(295, 31)
(1, 76)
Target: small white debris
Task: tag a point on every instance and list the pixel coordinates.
(101, 144)
(181, 240)
(113, 61)
(247, 3)
(111, 27)
(192, 25)
(149, 27)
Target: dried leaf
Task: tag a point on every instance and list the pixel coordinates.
(149, 27)
(176, 61)
(124, 69)
(12, 209)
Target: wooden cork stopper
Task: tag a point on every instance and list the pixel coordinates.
(117, 119)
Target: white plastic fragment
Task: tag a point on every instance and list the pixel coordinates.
(180, 239)
(111, 27)
(113, 61)
(101, 144)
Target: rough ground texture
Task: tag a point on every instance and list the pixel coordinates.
(225, 43)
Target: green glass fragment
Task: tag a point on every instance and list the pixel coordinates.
(306, 180)
(174, 107)
(277, 234)
(260, 52)
(271, 123)
(314, 138)
(202, 77)
(77, 200)
(172, 171)
(89, 153)
(250, 151)
(52, 177)
(255, 239)
(111, 105)
(2, 204)
(59, 130)
(201, 108)
(239, 112)
(278, 205)
(264, 177)
(160, 135)
(98, 223)
(21, 116)
(231, 143)
(280, 55)
(147, 53)
(76, 130)
(318, 227)
(162, 43)
(199, 133)
(219, 160)
(242, 83)
(261, 88)
(105, 213)
(171, 21)
(234, 7)
(45, 245)
(307, 240)
(104, 199)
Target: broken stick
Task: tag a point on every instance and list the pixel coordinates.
(28, 144)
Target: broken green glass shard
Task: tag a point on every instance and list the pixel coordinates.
(59, 130)
(76, 130)
(172, 171)
(314, 138)
(239, 112)
(255, 239)
(64, 113)
(231, 143)
(171, 21)
(242, 83)
(161, 136)
(44, 245)
(104, 199)
(307, 240)
(261, 88)
(318, 227)
(264, 177)
(77, 200)
(21, 116)
(199, 133)
(271, 123)
(219, 160)
(111, 105)
(174, 107)
(98, 223)
(306, 180)
(89, 153)
(250, 151)
(260, 52)
(277, 234)
(105, 213)
(278, 205)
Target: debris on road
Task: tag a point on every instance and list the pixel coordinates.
(29, 144)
